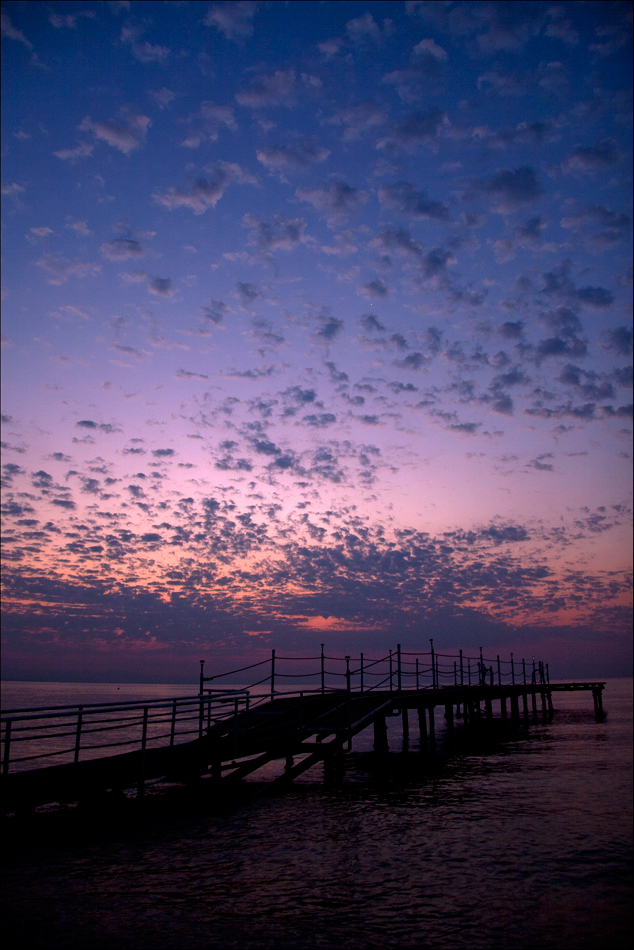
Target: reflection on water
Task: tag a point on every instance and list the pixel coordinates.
(522, 845)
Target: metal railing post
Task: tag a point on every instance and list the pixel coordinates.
(323, 671)
(361, 669)
(524, 670)
(433, 665)
(202, 678)
(201, 715)
(469, 670)
(390, 671)
(235, 726)
(272, 674)
(547, 675)
(512, 670)
(398, 666)
(499, 672)
(173, 725)
(455, 674)
(7, 746)
(416, 672)
(78, 734)
(461, 671)
(348, 674)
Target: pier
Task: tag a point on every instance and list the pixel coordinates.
(222, 734)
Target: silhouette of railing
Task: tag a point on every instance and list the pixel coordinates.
(424, 670)
(58, 734)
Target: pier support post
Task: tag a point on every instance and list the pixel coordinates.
(515, 708)
(432, 725)
(534, 703)
(422, 726)
(598, 704)
(525, 705)
(405, 717)
(544, 707)
(449, 718)
(551, 708)
(380, 736)
(503, 706)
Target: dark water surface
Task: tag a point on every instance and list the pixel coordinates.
(521, 844)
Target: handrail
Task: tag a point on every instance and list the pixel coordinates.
(41, 728)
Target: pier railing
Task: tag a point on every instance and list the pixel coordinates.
(35, 737)
(396, 670)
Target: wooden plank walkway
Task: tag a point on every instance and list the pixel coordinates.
(312, 725)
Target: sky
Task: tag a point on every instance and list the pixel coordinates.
(316, 328)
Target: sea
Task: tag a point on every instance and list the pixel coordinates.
(519, 841)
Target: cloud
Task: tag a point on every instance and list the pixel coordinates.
(205, 193)
(280, 158)
(617, 340)
(69, 20)
(404, 197)
(561, 29)
(343, 245)
(614, 226)
(371, 323)
(12, 190)
(234, 19)
(247, 291)
(329, 328)
(592, 159)
(375, 289)
(121, 248)
(435, 262)
(418, 127)
(511, 330)
(207, 122)
(357, 120)
(106, 427)
(510, 190)
(163, 97)
(10, 31)
(278, 89)
(83, 150)
(216, 312)
(281, 234)
(428, 47)
(126, 135)
(161, 287)
(363, 28)
(399, 240)
(61, 269)
(337, 200)
(80, 227)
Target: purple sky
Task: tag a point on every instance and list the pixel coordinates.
(317, 327)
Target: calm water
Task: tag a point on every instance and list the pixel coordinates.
(521, 845)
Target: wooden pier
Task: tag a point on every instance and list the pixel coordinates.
(220, 736)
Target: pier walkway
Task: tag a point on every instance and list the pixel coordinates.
(222, 735)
